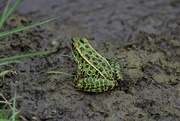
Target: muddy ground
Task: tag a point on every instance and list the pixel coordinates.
(144, 36)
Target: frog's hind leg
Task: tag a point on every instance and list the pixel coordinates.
(95, 84)
(117, 69)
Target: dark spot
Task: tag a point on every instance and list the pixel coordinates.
(82, 67)
(89, 72)
(93, 58)
(95, 63)
(97, 56)
(86, 76)
(87, 46)
(90, 52)
(86, 66)
(91, 68)
(109, 68)
(81, 60)
(110, 72)
(100, 69)
(82, 49)
(99, 60)
(87, 56)
(82, 41)
(103, 64)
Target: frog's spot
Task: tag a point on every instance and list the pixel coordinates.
(98, 83)
(97, 56)
(101, 69)
(109, 72)
(87, 66)
(87, 56)
(81, 62)
(109, 67)
(86, 46)
(103, 64)
(91, 68)
(89, 72)
(90, 52)
(83, 67)
(100, 60)
(81, 48)
(93, 58)
(83, 72)
(85, 76)
(95, 63)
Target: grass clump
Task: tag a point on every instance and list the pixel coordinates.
(8, 60)
(8, 111)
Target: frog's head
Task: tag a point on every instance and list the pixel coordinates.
(76, 42)
(78, 45)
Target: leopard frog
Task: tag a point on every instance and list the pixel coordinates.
(94, 73)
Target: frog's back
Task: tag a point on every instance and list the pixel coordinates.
(92, 64)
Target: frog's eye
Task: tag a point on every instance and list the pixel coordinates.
(84, 40)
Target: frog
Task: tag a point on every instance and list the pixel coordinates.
(94, 72)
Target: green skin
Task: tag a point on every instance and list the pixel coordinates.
(95, 73)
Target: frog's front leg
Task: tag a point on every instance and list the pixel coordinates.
(78, 75)
(95, 84)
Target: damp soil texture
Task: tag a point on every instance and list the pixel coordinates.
(144, 36)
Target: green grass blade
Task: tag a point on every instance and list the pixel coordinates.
(4, 13)
(14, 108)
(4, 102)
(5, 72)
(25, 55)
(58, 72)
(4, 18)
(27, 27)
(9, 62)
(3, 111)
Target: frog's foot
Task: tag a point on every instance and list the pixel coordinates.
(95, 84)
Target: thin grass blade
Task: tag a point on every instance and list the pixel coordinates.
(5, 102)
(14, 113)
(25, 55)
(9, 62)
(4, 18)
(5, 72)
(27, 27)
(58, 72)
(4, 13)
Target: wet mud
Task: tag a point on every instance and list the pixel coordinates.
(144, 36)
